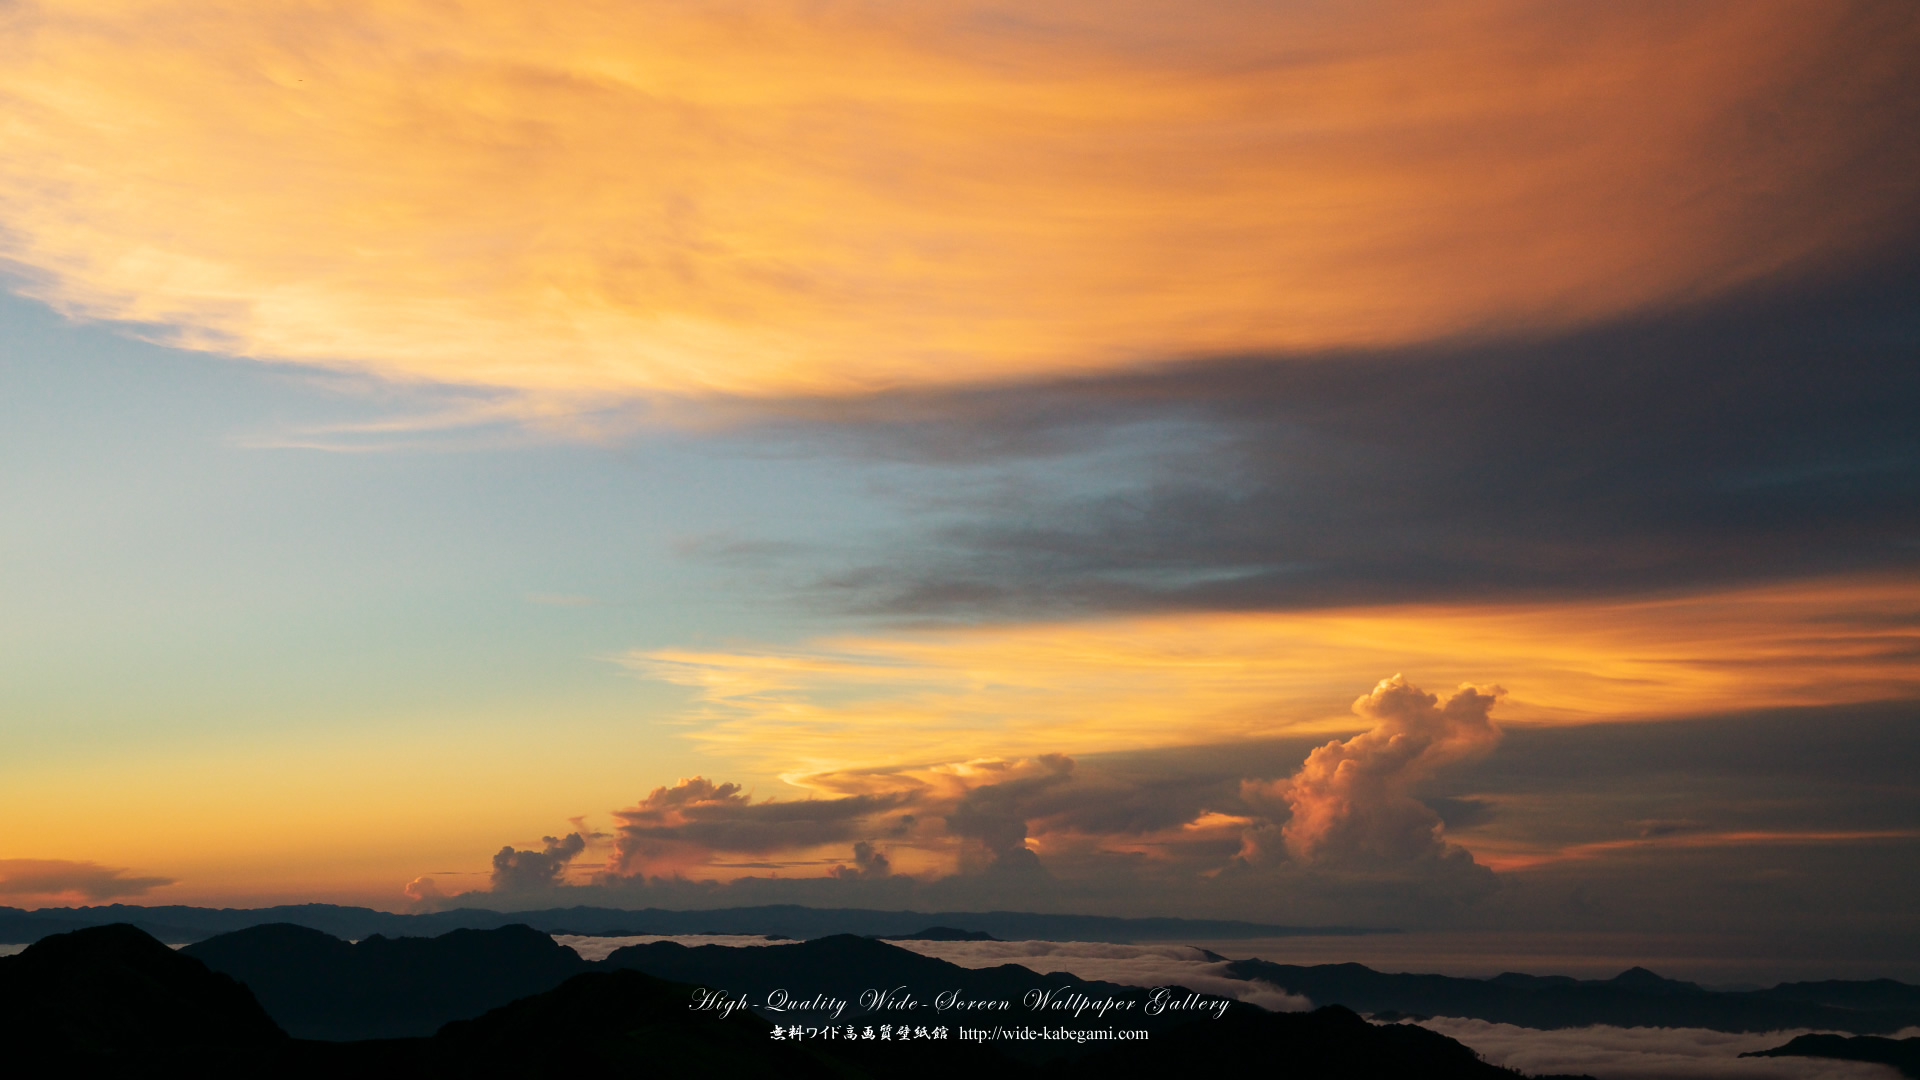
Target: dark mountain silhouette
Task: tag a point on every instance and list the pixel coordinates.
(177, 924)
(940, 933)
(1872, 994)
(845, 967)
(1902, 1054)
(111, 999)
(319, 987)
(23, 928)
(625, 1020)
(1641, 981)
(1327, 1044)
(1634, 998)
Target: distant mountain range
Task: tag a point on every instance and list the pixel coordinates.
(1634, 998)
(1902, 1054)
(113, 1001)
(178, 924)
(303, 955)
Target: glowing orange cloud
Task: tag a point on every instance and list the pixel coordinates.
(1123, 683)
(773, 198)
(1504, 857)
(1356, 794)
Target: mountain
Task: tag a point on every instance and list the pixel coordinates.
(178, 924)
(1872, 994)
(940, 933)
(1327, 1044)
(1634, 998)
(113, 1001)
(110, 999)
(19, 927)
(319, 987)
(1902, 1054)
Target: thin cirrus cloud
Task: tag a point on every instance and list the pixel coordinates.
(1114, 683)
(766, 200)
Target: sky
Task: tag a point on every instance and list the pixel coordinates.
(1443, 468)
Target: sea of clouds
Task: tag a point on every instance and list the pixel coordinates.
(1606, 1053)
(1129, 965)
(1614, 1053)
(599, 948)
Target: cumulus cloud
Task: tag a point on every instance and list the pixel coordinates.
(996, 815)
(1612, 1053)
(1353, 818)
(521, 871)
(67, 878)
(424, 890)
(868, 862)
(683, 825)
(1353, 798)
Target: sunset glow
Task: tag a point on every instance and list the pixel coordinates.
(1450, 468)
(774, 199)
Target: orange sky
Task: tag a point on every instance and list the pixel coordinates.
(1099, 685)
(769, 199)
(580, 205)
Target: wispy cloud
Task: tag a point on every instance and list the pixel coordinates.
(1500, 856)
(782, 198)
(1085, 686)
(54, 880)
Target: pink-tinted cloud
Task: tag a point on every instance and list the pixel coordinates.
(1353, 798)
(1349, 808)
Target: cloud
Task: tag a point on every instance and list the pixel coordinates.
(1612, 1053)
(1129, 965)
(1353, 798)
(868, 862)
(1118, 682)
(596, 947)
(996, 815)
(680, 826)
(520, 871)
(1566, 467)
(591, 199)
(424, 890)
(1059, 833)
(69, 879)
(1542, 835)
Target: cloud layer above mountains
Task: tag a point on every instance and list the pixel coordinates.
(1047, 821)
